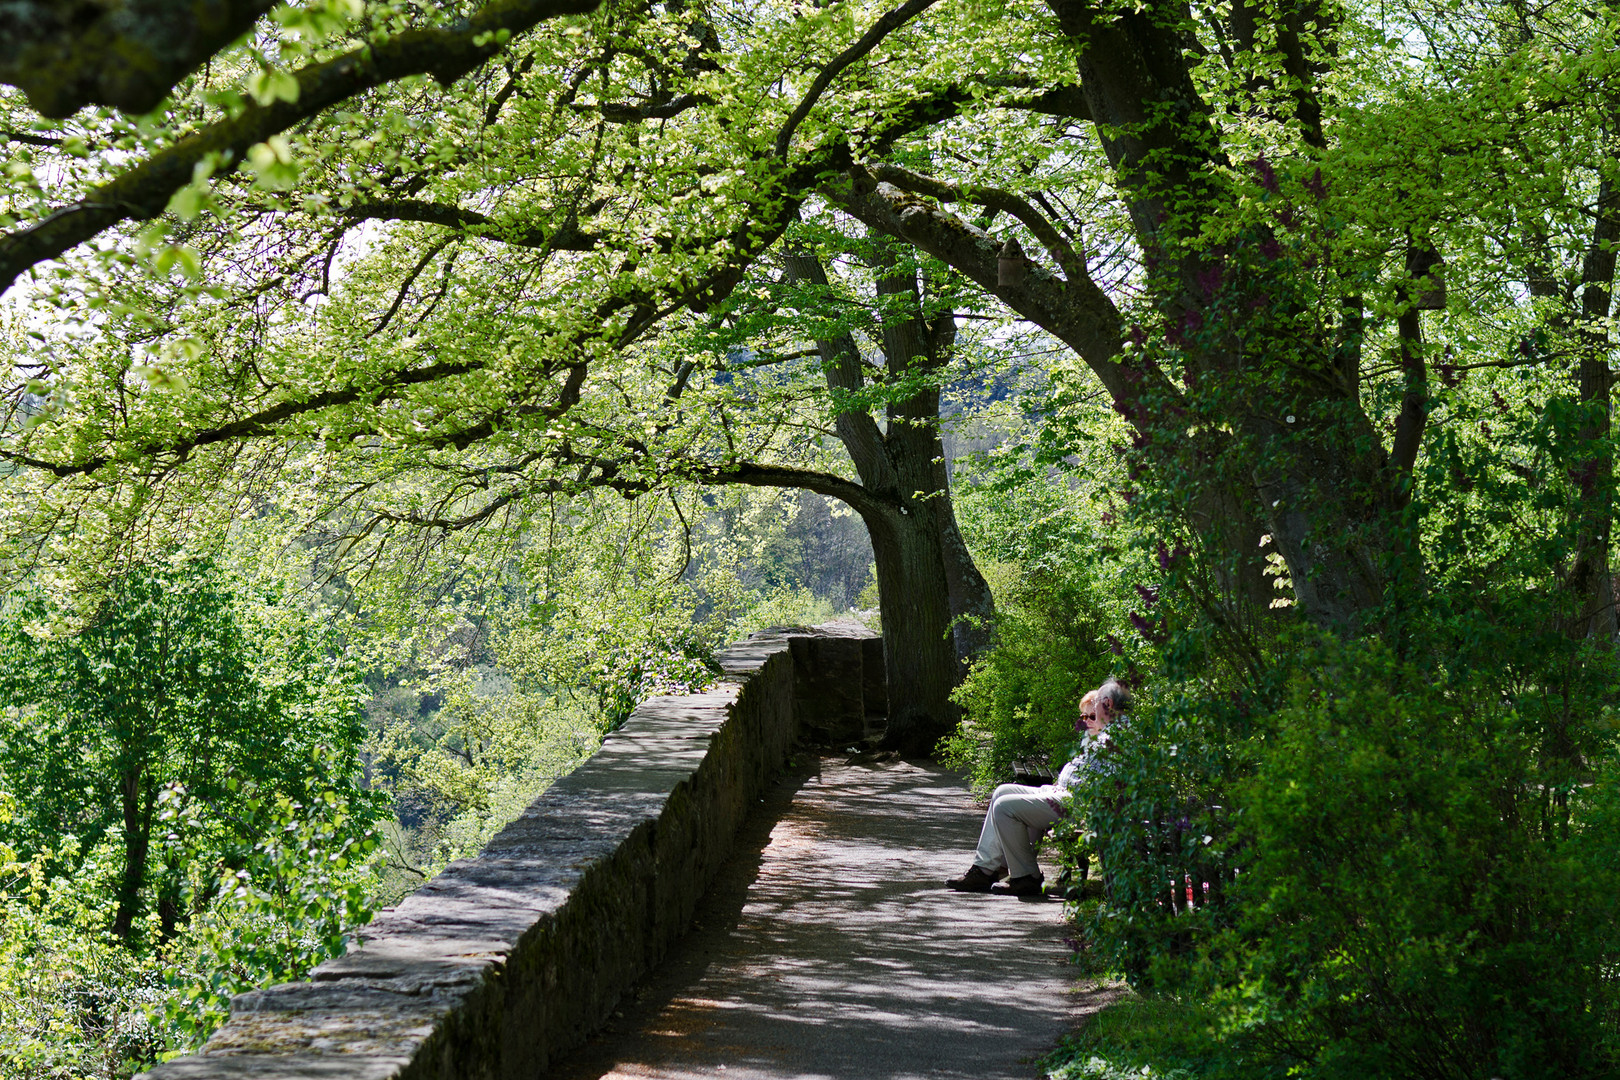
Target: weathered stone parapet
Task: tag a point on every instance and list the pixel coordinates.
(839, 688)
(504, 961)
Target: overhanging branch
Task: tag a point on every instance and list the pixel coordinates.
(753, 474)
(473, 223)
(1074, 267)
(143, 191)
(886, 25)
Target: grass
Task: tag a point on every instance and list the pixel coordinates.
(1135, 1038)
(1155, 1037)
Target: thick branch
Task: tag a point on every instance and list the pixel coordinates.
(1065, 101)
(890, 22)
(473, 223)
(65, 55)
(144, 190)
(1077, 312)
(620, 113)
(991, 198)
(781, 476)
(29, 140)
(842, 366)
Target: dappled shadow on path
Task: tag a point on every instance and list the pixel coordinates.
(829, 948)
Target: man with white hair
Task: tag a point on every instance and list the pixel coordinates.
(1019, 814)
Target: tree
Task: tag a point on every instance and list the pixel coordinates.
(535, 425)
(1268, 201)
(162, 697)
(1289, 205)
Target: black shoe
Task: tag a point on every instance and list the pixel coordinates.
(975, 880)
(1028, 885)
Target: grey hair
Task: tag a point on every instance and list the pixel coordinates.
(1118, 698)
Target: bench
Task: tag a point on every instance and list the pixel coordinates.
(1031, 771)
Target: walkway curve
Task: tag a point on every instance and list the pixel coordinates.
(829, 948)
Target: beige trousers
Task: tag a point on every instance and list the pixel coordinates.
(1019, 815)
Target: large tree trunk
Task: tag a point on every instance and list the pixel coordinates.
(1289, 452)
(917, 647)
(1589, 583)
(973, 608)
(937, 610)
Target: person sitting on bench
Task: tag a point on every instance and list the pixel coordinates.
(1019, 815)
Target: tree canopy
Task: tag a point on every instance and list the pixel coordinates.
(443, 266)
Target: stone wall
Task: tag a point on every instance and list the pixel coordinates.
(840, 695)
(503, 962)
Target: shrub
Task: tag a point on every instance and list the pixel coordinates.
(1156, 809)
(1022, 697)
(1420, 872)
(74, 1000)
(1420, 895)
(305, 888)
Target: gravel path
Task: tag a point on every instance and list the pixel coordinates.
(829, 948)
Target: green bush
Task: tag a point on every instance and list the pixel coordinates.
(75, 1001)
(78, 1002)
(1421, 874)
(1420, 895)
(305, 888)
(1156, 808)
(1022, 698)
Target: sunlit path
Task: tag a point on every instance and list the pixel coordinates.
(828, 948)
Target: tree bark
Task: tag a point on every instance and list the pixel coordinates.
(137, 801)
(1299, 460)
(1590, 584)
(917, 649)
(936, 608)
(65, 55)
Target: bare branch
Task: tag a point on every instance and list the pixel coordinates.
(405, 286)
